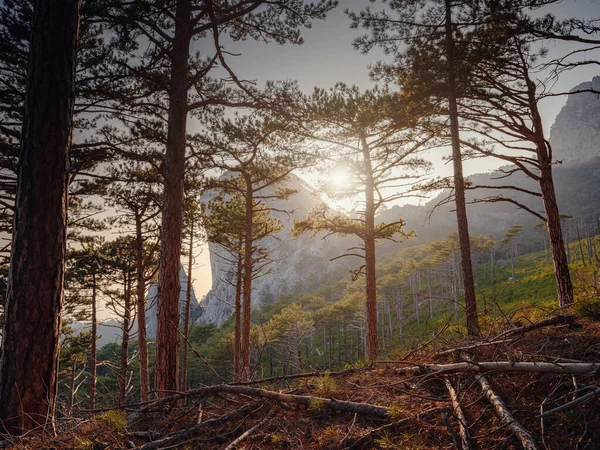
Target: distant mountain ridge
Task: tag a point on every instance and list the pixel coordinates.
(304, 263)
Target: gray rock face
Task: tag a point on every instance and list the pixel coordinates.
(151, 306)
(298, 264)
(575, 135)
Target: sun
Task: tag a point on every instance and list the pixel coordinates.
(339, 179)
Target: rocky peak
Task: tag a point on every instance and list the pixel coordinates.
(575, 135)
(298, 264)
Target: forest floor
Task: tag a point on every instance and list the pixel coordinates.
(400, 404)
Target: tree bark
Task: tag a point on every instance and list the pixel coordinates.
(503, 366)
(379, 412)
(369, 241)
(238, 315)
(463, 424)
(564, 285)
(459, 182)
(71, 398)
(167, 333)
(93, 358)
(31, 332)
(125, 339)
(507, 418)
(141, 311)
(247, 291)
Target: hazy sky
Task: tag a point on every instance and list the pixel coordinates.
(327, 57)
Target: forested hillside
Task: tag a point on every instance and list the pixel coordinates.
(294, 139)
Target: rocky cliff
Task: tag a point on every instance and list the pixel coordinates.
(575, 135)
(297, 264)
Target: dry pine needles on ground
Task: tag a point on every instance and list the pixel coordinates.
(529, 387)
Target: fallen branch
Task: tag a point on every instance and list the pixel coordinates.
(303, 400)
(558, 320)
(363, 409)
(451, 431)
(465, 438)
(249, 432)
(595, 394)
(503, 366)
(505, 416)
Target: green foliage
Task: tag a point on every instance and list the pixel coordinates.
(199, 334)
(511, 234)
(325, 385)
(316, 404)
(396, 412)
(322, 218)
(292, 324)
(386, 442)
(82, 443)
(276, 439)
(114, 420)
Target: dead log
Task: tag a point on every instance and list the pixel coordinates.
(307, 401)
(503, 366)
(465, 438)
(558, 320)
(505, 416)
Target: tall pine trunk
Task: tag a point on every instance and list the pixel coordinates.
(369, 241)
(238, 315)
(125, 339)
(93, 358)
(459, 182)
(564, 285)
(31, 331)
(167, 333)
(141, 310)
(247, 288)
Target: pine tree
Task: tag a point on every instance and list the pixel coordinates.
(121, 257)
(84, 281)
(509, 241)
(416, 28)
(137, 204)
(257, 156)
(380, 157)
(31, 332)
